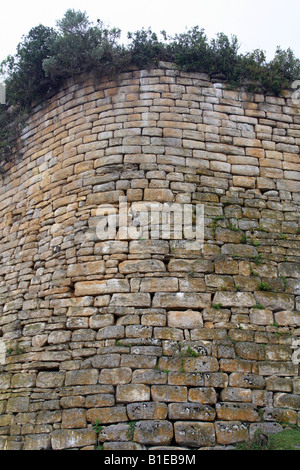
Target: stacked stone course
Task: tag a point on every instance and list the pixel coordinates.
(156, 345)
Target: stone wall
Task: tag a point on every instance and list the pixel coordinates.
(154, 344)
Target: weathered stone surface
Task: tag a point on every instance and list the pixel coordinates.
(186, 320)
(159, 284)
(264, 428)
(275, 301)
(284, 400)
(194, 434)
(147, 410)
(82, 377)
(131, 300)
(115, 376)
(153, 432)
(287, 318)
(50, 379)
(109, 286)
(236, 412)
(289, 270)
(100, 325)
(181, 300)
(191, 412)
(141, 266)
(35, 442)
(251, 381)
(261, 317)
(74, 419)
(115, 414)
(86, 269)
(234, 299)
(132, 393)
(203, 395)
(231, 432)
(167, 393)
(73, 438)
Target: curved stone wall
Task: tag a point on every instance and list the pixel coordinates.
(154, 343)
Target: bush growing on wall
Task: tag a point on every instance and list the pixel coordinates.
(47, 56)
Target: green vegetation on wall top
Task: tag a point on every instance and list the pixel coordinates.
(47, 56)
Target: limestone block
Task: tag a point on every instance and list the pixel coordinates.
(189, 319)
(181, 300)
(153, 432)
(234, 299)
(112, 414)
(205, 396)
(131, 393)
(231, 432)
(74, 418)
(68, 439)
(131, 300)
(237, 412)
(107, 286)
(86, 269)
(141, 266)
(191, 412)
(287, 318)
(82, 377)
(99, 400)
(275, 301)
(147, 411)
(50, 379)
(168, 393)
(194, 434)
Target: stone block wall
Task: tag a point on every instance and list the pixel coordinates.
(141, 343)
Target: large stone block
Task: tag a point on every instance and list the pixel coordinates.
(231, 432)
(234, 299)
(181, 300)
(131, 393)
(62, 439)
(108, 286)
(193, 434)
(189, 319)
(153, 432)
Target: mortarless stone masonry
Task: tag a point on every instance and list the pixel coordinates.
(160, 345)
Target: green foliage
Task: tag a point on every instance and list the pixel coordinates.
(217, 306)
(232, 227)
(26, 80)
(81, 47)
(130, 431)
(145, 49)
(288, 439)
(11, 122)
(265, 286)
(97, 426)
(258, 307)
(244, 239)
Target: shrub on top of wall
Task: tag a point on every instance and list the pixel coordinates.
(47, 56)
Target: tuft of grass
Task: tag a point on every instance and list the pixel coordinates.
(130, 431)
(243, 239)
(288, 439)
(265, 287)
(257, 259)
(259, 307)
(217, 306)
(98, 426)
(232, 227)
